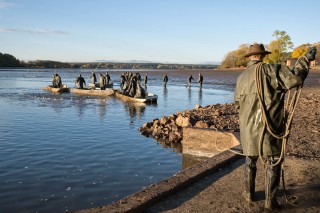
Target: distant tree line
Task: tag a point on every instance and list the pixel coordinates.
(7, 60)
(112, 65)
(279, 48)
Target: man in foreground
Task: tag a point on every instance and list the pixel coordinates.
(267, 110)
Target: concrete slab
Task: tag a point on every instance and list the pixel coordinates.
(207, 142)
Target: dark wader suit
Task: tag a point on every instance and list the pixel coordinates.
(276, 80)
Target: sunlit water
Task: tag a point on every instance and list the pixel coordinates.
(67, 152)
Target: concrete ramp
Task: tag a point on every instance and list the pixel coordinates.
(196, 140)
(207, 142)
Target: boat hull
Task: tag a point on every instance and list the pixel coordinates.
(93, 92)
(150, 98)
(63, 89)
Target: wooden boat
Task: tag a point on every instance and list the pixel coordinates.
(93, 92)
(62, 89)
(150, 98)
(97, 85)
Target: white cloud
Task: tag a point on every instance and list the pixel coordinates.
(6, 30)
(4, 5)
(37, 31)
(46, 31)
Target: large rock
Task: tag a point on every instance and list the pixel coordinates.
(182, 121)
(169, 129)
(201, 124)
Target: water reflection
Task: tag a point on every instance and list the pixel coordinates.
(200, 93)
(102, 109)
(177, 147)
(56, 101)
(189, 94)
(165, 97)
(187, 159)
(135, 110)
(200, 96)
(191, 160)
(165, 94)
(79, 103)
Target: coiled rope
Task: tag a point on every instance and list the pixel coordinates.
(290, 106)
(289, 109)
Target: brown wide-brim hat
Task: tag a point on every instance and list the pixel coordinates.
(256, 49)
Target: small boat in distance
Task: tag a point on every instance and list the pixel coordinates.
(62, 89)
(149, 98)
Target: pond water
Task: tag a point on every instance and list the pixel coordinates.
(66, 152)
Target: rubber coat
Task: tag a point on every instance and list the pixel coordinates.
(276, 80)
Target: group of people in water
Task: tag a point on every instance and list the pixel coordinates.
(190, 79)
(130, 83)
(104, 81)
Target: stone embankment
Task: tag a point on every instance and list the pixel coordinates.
(169, 129)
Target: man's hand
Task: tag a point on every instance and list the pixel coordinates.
(311, 54)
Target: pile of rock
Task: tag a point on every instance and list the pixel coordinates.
(170, 128)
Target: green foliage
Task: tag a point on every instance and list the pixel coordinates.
(284, 40)
(110, 65)
(272, 58)
(229, 60)
(7, 60)
(48, 64)
(240, 54)
(236, 58)
(300, 51)
(279, 48)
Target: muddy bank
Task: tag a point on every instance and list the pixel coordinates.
(304, 139)
(168, 130)
(221, 191)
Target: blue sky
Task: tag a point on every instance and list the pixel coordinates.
(168, 31)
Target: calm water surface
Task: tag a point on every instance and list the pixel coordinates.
(66, 152)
